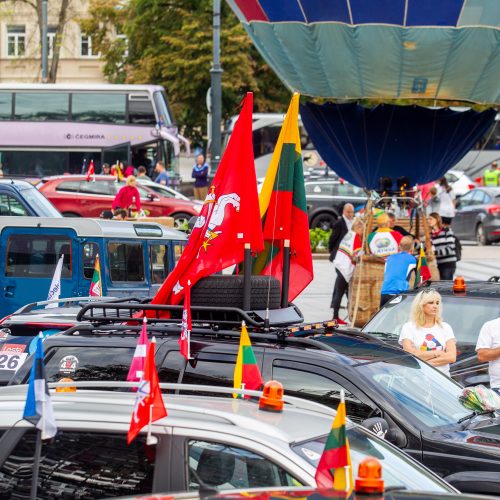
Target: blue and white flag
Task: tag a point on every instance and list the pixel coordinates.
(38, 409)
(55, 286)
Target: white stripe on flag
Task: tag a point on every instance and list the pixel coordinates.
(47, 422)
(140, 351)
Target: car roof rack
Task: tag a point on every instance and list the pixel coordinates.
(102, 313)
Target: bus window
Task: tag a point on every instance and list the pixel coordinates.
(141, 112)
(5, 105)
(158, 257)
(162, 109)
(89, 252)
(97, 107)
(178, 249)
(38, 106)
(126, 261)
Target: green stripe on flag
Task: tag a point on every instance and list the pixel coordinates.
(248, 355)
(336, 438)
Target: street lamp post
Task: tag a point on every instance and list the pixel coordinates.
(45, 51)
(216, 97)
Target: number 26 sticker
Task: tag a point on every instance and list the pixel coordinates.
(12, 360)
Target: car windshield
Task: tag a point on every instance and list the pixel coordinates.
(465, 315)
(40, 204)
(418, 389)
(398, 470)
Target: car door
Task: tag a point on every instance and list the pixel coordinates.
(459, 224)
(30, 256)
(96, 197)
(10, 204)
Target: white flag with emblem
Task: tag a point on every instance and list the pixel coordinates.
(55, 286)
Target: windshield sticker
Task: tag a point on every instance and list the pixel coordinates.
(396, 300)
(19, 348)
(12, 360)
(310, 454)
(68, 364)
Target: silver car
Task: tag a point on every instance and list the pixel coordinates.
(209, 443)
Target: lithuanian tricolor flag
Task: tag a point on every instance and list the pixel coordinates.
(423, 272)
(334, 469)
(246, 372)
(283, 209)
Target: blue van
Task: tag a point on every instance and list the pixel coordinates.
(135, 257)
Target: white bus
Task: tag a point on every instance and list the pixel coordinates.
(50, 129)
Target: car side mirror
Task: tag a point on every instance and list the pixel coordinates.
(152, 197)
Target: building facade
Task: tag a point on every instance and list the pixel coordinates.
(20, 47)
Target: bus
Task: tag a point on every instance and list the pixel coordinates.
(266, 128)
(50, 129)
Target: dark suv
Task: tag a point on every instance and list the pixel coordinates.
(417, 403)
(325, 198)
(466, 312)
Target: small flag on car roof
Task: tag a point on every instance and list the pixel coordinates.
(96, 284)
(422, 273)
(38, 408)
(185, 338)
(55, 285)
(91, 171)
(136, 370)
(246, 372)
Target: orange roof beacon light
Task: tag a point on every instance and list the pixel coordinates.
(66, 389)
(459, 285)
(272, 397)
(369, 480)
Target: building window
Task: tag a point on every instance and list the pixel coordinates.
(51, 40)
(124, 40)
(86, 47)
(16, 38)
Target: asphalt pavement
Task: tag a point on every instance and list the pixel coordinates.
(478, 263)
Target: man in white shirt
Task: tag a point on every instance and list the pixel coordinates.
(488, 349)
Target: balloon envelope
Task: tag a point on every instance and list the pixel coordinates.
(381, 49)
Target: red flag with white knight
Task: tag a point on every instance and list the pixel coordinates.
(91, 171)
(229, 217)
(184, 339)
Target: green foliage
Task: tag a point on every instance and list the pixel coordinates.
(170, 44)
(319, 239)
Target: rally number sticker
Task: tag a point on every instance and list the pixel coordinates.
(12, 360)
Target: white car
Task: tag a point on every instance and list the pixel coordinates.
(460, 182)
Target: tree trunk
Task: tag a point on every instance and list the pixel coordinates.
(54, 63)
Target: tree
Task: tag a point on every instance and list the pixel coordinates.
(170, 43)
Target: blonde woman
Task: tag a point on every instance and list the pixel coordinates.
(426, 335)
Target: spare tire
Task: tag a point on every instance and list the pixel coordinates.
(223, 290)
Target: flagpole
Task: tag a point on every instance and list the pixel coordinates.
(285, 285)
(36, 465)
(247, 278)
(346, 467)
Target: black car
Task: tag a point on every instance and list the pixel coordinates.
(478, 216)
(22, 198)
(466, 312)
(326, 198)
(418, 404)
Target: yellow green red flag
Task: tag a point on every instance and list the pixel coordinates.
(246, 372)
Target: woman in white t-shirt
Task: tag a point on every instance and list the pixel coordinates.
(426, 336)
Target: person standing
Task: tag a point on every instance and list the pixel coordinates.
(384, 241)
(162, 176)
(426, 335)
(488, 350)
(106, 169)
(443, 241)
(127, 196)
(491, 175)
(446, 201)
(345, 262)
(200, 176)
(142, 173)
(339, 229)
(432, 201)
(398, 268)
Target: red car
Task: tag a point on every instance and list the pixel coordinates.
(73, 196)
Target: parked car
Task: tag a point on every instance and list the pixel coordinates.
(326, 198)
(73, 196)
(384, 385)
(459, 181)
(205, 443)
(465, 312)
(478, 216)
(166, 191)
(20, 198)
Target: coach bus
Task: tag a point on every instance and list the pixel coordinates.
(48, 129)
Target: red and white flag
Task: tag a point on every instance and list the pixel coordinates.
(149, 406)
(91, 171)
(136, 370)
(185, 338)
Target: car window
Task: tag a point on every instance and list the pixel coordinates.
(466, 199)
(126, 261)
(98, 187)
(41, 206)
(450, 177)
(227, 467)
(69, 186)
(349, 190)
(158, 261)
(320, 188)
(465, 315)
(32, 256)
(302, 380)
(80, 465)
(11, 206)
(478, 197)
(398, 469)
